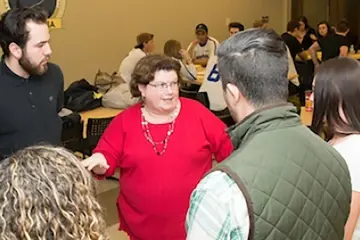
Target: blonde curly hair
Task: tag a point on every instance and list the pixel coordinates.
(45, 194)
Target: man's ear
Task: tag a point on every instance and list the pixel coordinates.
(234, 92)
(15, 50)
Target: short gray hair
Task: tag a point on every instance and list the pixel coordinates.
(256, 62)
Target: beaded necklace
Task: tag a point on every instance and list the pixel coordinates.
(148, 136)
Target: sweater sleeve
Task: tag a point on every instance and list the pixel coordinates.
(215, 131)
(188, 71)
(111, 144)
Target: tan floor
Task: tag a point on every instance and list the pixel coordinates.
(107, 193)
(114, 233)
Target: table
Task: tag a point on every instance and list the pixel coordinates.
(291, 76)
(100, 112)
(355, 56)
(306, 117)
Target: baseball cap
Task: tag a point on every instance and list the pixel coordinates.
(143, 38)
(201, 28)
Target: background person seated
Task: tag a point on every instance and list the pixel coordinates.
(351, 36)
(331, 46)
(290, 37)
(172, 48)
(144, 46)
(212, 82)
(203, 47)
(235, 27)
(323, 29)
(45, 193)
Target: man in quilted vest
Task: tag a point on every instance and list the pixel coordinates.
(282, 181)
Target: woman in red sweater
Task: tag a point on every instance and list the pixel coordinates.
(163, 147)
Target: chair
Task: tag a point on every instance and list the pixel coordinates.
(71, 135)
(94, 130)
(201, 97)
(191, 87)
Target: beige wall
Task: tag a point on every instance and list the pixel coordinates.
(315, 11)
(102, 36)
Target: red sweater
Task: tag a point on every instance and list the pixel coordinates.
(155, 190)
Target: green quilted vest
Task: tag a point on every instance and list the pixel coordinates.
(295, 184)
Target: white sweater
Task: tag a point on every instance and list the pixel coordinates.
(128, 64)
(208, 50)
(188, 71)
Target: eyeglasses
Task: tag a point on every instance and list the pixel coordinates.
(163, 86)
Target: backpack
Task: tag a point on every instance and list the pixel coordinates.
(104, 81)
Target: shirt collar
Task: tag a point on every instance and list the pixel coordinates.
(13, 78)
(271, 117)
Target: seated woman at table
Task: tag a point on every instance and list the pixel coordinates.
(163, 147)
(331, 46)
(172, 48)
(324, 29)
(45, 194)
(336, 101)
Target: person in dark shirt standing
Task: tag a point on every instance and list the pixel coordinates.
(290, 38)
(332, 46)
(31, 87)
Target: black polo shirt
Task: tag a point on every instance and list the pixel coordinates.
(29, 109)
(331, 44)
(293, 44)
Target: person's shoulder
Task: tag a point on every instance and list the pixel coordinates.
(193, 105)
(218, 183)
(194, 42)
(348, 148)
(55, 72)
(54, 68)
(285, 35)
(130, 112)
(177, 60)
(136, 53)
(213, 40)
(338, 37)
(127, 117)
(311, 31)
(289, 39)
